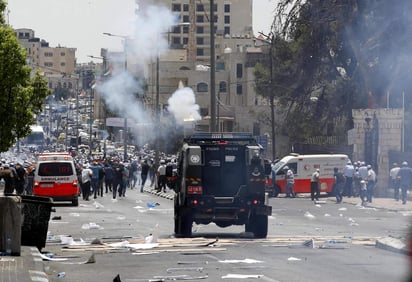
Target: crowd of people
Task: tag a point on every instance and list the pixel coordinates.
(104, 176)
(97, 176)
(17, 178)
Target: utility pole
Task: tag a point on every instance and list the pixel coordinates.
(125, 69)
(212, 69)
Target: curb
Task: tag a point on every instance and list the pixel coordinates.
(392, 244)
(168, 196)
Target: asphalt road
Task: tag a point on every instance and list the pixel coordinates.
(306, 242)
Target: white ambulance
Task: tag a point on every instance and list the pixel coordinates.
(55, 176)
(303, 166)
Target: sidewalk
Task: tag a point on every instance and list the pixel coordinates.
(27, 267)
(389, 243)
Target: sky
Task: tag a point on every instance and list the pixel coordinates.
(80, 23)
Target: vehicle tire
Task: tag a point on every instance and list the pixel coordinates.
(75, 202)
(258, 225)
(183, 221)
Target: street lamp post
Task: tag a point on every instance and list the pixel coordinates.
(125, 69)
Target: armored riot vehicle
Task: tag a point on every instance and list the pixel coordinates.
(221, 179)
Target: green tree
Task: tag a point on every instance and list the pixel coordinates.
(336, 56)
(21, 97)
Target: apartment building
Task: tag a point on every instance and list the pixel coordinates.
(238, 108)
(57, 63)
(232, 20)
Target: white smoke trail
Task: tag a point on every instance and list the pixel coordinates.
(149, 40)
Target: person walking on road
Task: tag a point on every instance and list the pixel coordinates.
(405, 180)
(394, 180)
(348, 172)
(144, 173)
(290, 182)
(108, 177)
(314, 186)
(338, 185)
(117, 179)
(370, 188)
(95, 167)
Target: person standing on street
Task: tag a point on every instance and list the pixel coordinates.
(394, 180)
(8, 177)
(405, 180)
(371, 183)
(87, 174)
(290, 181)
(348, 172)
(21, 178)
(338, 185)
(161, 176)
(314, 186)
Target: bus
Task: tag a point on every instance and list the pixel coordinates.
(36, 138)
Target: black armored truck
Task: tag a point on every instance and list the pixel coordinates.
(221, 179)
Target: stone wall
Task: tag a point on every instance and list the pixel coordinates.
(390, 123)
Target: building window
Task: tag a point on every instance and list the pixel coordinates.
(185, 7)
(239, 70)
(227, 30)
(48, 64)
(239, 89)
(200, 40)
(48, 54)
(176, 7)
(51, 85)
(176, 30)
(186, 29)
(62, 54)
(64, 85)
(202, 87)
(185, 18)
(200, 8)
(199, 19)
(176, 40)
(227, 19)
(199, 29)
(223, 87)
(227, 8)
(185, 40)
(62, 64)
(199, 52)
(70, 85)
(27, 34)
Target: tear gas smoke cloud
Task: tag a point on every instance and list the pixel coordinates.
(147, 42)
(183, 105)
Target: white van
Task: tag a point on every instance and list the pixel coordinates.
(55, 176)
(303, 166)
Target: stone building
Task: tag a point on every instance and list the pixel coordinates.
(377, 133)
